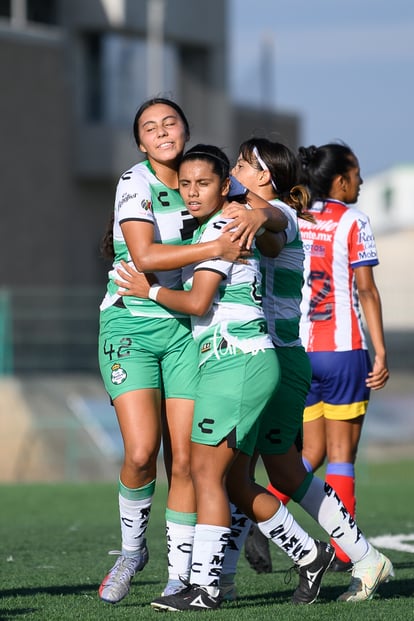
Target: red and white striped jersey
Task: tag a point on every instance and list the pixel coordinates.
(340, 241)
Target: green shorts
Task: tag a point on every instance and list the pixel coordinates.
(282, 422)
(146, 352)
(231, 394)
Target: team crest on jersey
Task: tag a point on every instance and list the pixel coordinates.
(118, 374)
(146, 204)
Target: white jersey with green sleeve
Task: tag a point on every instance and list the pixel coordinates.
(235, 322)
(282, 284)
(141, 197)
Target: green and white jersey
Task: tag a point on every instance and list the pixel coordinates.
(282, 284)
(141, 197)
(235, 322)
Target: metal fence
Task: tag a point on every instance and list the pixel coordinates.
(56, 330)
(49, 329)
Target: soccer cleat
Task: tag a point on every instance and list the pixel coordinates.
(338, 565)
(228, 592)
(256, 551)
(172, 587)
(310, 576)
(193, 597)
(367, 575)
(116, 583)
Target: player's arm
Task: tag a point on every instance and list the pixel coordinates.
(271, 244)
(266, 224)
(149, 256)
(275, 219)
(265, 216)
(196, 301)
(371, 305)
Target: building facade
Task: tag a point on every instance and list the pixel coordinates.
(73, 73)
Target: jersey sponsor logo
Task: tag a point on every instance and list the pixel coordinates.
(321, 231)
(366, 239)
(118, 374)
(203, 425)
(316, 236)
(367, 254)
(125, 198)
(316, 250)
(161, 195)
(321, 225)
(273, 436)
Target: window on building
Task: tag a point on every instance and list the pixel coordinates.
(37, 11)
(116, 76)
(41, 11)
(5, 8)
(194, 78)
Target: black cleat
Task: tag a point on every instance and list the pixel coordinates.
(310, 576)
(256, 551)
(338, 565)
(193, 597)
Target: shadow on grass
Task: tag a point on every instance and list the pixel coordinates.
(394, 589)
(5, 615)
(57, 590)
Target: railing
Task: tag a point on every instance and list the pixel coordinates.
(55, 329)
(6, 337)
(49, 329)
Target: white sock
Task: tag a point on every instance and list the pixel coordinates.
(286, 533)
(240, 526)
(208, 554)
(325, 506)
(134, 515)
(180, 538)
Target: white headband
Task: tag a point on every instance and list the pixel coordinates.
(264, 166)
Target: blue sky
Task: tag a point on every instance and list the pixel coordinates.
(346, 68)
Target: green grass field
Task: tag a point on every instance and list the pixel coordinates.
(55, 539)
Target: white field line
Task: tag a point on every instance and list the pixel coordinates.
(401, 543)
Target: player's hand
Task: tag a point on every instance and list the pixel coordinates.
(379, 375)
(132, 282)
(230, 249)
(245, 224)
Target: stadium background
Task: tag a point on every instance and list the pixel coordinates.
(75, 72)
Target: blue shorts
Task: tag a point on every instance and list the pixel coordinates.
(338, 390)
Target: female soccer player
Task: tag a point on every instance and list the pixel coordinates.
(146, 352)
(238, 373)
(340, 255)
(270, 170)
(139, 341)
